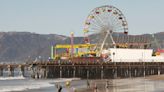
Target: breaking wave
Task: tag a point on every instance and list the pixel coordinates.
(12, 78)
(25, 87)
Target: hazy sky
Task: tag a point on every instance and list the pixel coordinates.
(65, 16)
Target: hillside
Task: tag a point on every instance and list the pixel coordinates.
(21, 46)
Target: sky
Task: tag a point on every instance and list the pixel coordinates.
(65, 16)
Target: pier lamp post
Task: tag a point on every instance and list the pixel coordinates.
(113, 56)
(115, 69)
(72, 43)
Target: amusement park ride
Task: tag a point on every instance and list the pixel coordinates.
(102, 22)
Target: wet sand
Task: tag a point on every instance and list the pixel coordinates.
(100, 87)
(155, 77)
(138, 84)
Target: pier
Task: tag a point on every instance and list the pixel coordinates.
(86, 70)
(96, 70)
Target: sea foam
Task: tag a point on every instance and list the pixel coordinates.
(26, 85)
(12, 78)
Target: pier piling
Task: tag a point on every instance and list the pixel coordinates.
(10, 71)
(1, 71)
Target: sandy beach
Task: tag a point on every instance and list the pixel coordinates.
(99, 85)
(155, 77)
(129, 84)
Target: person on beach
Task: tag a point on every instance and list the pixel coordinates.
(107, 84)
(95, 88)
(74, 90)
(59, 87)
(88, 84)
(69, 88)
(68, 84)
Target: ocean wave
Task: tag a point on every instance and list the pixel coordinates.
(28, 86)
(12, 78)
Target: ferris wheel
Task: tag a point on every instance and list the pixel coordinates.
(104, 21)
